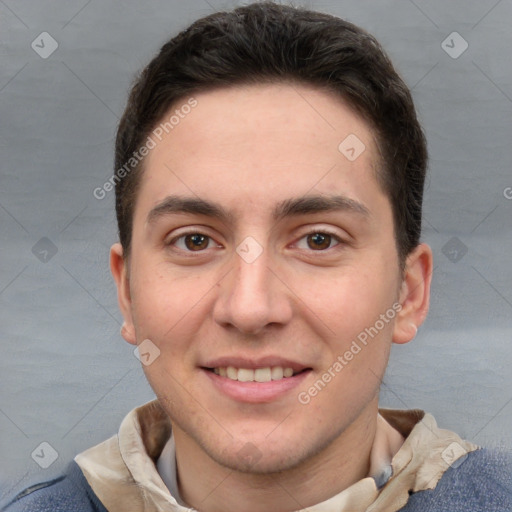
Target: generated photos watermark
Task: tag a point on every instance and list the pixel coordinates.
(355, 348)
(152, 140)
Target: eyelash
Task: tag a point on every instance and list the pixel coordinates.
(334, 237)
(183, 235)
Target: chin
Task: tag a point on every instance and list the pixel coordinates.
(269, 453)
(251, 460)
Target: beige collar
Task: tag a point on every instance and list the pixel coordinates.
(122, 471)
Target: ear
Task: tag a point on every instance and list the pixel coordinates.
(414, 294)
(119, 269)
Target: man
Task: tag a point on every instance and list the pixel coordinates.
(269, 180)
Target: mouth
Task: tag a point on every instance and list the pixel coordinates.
(266, 374)
(255, 382)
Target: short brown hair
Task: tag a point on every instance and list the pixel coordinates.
(266, 42)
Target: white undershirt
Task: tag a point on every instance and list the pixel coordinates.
(166, 467)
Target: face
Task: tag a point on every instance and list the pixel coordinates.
(261, 250)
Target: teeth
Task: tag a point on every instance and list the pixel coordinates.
(259, 375)
(277, 373)
(245, 375)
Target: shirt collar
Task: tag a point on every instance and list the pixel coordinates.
(122, 470)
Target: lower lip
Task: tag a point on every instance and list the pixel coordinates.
(256, 392)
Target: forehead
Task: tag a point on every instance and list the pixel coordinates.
(260, 139)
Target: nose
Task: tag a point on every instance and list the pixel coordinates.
(252, 297)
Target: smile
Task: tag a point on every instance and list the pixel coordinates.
(266, 374)
(263, 384)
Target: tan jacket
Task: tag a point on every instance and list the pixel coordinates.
(122, 470)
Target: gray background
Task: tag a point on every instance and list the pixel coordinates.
(66, 376)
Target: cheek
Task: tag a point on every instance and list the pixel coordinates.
(351, 300)
(167, 308)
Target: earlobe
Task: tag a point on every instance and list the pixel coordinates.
(119, 269)
(128, 333)
(414, 294)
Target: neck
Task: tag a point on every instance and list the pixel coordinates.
(210, 487)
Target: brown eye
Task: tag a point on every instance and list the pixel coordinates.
(319, 241)
(196, 241)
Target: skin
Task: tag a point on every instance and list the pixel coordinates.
(249, 149)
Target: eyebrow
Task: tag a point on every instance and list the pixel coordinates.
(317, 204)
(193, 205)
(289, 208)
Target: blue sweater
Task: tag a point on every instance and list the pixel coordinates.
(482, 483)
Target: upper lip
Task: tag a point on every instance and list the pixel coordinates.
(254, 363)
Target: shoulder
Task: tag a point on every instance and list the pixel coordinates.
(69, 492)
(482, 482)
